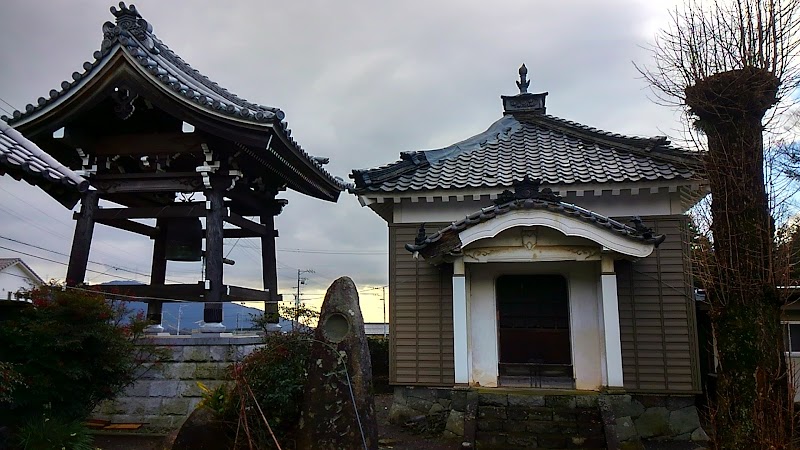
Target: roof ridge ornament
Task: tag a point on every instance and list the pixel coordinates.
(527, 189)
(524, 102)
(125, 12)
(523, 82)
(646, 231)
(129, 23)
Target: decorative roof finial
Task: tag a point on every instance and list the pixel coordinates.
(129, 24)
(523, 82)
(125, 13)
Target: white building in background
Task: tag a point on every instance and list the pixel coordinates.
(376, 329)
(15, 275)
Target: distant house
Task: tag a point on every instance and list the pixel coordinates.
(15, 275)
(376, 329)
(541, 252)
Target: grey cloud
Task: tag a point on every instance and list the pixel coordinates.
(360, 81)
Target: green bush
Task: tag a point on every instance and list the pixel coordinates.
(273, 378)
(44, 433)
(10, 381)
(379, 355)
(72, 349)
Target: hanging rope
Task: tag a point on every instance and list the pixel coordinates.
(355, 408)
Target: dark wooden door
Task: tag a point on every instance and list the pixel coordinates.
(533, 319)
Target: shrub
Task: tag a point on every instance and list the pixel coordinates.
(10, 381)
(44, 433)
(73, 349)
(215, 399)
(379, 354)
(273, 378)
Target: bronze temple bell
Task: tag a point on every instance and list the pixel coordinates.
(184, 239)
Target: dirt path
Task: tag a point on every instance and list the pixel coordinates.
(396, 437)
(391, 436)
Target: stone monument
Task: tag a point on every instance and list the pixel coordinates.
(338, 408)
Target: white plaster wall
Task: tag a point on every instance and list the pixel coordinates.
(585, 321)
(13, 279)
(625, 204)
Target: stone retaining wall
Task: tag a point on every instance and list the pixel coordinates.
(654, 417)
(167, 392)
(524, 418)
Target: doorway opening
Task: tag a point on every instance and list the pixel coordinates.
(533, 331)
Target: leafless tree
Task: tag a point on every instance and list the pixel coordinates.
(732, 66)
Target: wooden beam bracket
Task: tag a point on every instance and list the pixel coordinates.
(247, 224)
(133, 227)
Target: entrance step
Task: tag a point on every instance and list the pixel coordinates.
(525, 420)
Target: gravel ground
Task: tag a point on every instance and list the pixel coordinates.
(395, 437)
(391, 437)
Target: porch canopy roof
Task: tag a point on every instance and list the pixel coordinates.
(132, 62)
(530, 206)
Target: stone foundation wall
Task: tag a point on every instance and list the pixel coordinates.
(526, 418)
(654, 417)
(166, 393)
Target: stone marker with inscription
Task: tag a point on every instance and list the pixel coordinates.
(338, 408)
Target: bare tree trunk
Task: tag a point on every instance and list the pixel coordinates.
(727, 63)
(752, 393)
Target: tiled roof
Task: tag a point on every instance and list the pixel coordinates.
(134, 35)
(552, 150)
(530, 198)
(8, 262)
(21, 158)
(5, 263)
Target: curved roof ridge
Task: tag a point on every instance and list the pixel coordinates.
(135, 35)
(635, 138)
(501, 130)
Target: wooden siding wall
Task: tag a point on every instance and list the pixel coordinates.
(657, 314)
(421, 314)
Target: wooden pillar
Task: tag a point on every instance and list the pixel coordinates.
(82, 240)
(215, 213)
(269, 268)
(158, 272)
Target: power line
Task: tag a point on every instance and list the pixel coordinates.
(14, 275)
(332, 252)
(135, 297)
(57, 262)
(50, 231)
(9, 104)
(30, 205)
(32, 223)
(64, 254)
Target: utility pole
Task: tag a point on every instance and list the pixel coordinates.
(180, 311)
(300, 280)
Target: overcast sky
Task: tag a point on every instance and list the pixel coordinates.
(359, 81)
